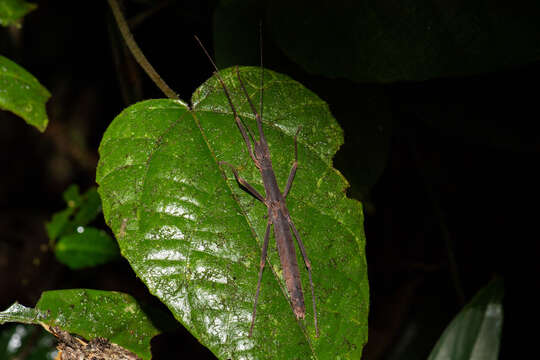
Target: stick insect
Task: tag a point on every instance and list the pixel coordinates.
(278, 213)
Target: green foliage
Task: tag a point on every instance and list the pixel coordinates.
(194, 236)
(80, 211)
(475, 333)
(22, 94)
(79, 245)
(11, 11)
(90, 313)
(87, 248)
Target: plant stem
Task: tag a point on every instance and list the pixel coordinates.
(137, 53)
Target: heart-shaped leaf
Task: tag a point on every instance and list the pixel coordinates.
(194, 236)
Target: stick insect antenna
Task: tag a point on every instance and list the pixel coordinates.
(262, 68)
(258, 114)
(229, 99)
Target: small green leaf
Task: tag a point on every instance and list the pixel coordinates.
(89, 208)
(80, 246)
(59, 222)
(86, 248)
(22, 94)
(475, 333)
(72, 197)
(90, 314)
(80, 211)
(194, 236)
(13, 10)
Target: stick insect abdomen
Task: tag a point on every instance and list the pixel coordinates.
(282, 231)
(289, 264)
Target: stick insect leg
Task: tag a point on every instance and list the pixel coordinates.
(261, 268)
(244, 183)
(308, 266)
(246, 137)
(294, 166)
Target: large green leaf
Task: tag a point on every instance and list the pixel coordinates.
(90, 314)
(475, 333)
(194, 236)
(22, 94)
(12, 10)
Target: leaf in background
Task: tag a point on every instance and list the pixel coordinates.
(33, 341)
(90, 314)
(12, 10)
(86, 248)
(80, 211)
(72, 197)
(475, 333)
(80, 246)
(89, 208)
(22, 94)
(407, 40)
(58, 224)
(194, 236)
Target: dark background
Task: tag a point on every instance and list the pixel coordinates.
(445, 165)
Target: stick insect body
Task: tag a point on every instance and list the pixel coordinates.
(278, 213)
